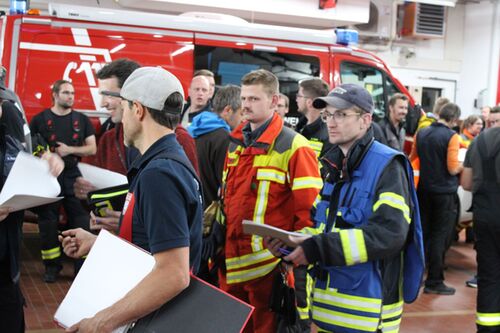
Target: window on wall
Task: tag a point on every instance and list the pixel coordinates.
(230, 65)
(371, 79)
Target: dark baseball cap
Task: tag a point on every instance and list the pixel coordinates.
(346, 96)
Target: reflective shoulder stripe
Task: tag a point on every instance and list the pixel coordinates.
(395, 201)
(317, 146)
(272, 175)
(353, 245)
(488, 319)
(301, 183)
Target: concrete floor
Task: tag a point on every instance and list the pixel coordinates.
(428, 314)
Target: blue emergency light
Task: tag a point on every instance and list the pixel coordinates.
(347, 36)
(18, 7)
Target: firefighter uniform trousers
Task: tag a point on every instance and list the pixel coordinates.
(48, 218)
(487, 230)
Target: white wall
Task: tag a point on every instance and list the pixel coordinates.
(463, 64)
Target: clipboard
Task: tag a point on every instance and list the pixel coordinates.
(110, 197)
(263, 230)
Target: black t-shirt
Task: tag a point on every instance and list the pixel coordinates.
(13, 121)
(63, 130)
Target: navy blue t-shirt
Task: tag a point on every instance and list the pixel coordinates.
(168, 206)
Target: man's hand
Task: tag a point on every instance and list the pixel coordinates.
(298, 257)
(110, 222)
(273, 245)
(56, 164)
(96, 324)
(82, 187)
(63, 149)
(4, 212)
(77, 242)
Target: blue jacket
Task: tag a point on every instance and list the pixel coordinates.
(366, 221)
(206, 122)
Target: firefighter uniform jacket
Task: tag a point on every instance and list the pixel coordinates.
(273, 181)
(367, 247)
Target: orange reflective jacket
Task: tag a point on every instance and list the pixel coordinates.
(274, 181)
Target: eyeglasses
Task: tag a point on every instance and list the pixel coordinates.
(338, 116)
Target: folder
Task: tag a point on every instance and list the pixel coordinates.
(110, 197)
(290, 238)
(114, 267)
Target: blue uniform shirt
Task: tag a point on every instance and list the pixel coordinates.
(168, 208)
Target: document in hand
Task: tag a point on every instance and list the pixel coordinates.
(29, 184)
(114, 266)
(288, 237)
(111, 197)
(101, 178)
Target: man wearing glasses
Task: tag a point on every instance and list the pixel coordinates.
(366, 221)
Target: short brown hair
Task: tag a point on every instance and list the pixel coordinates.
(56, 87)
(203, 72)
(287, 100)
(495, 109)
(449, 112)
(438, 105)
(394, 98)
(264, 77)
(314, 87)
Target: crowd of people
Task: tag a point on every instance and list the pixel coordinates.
(371, 217)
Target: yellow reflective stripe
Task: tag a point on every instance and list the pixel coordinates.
(316, 146)
(51, 253)
(353, 244)
(332, 297)
(108, 195)
(395, 201)
(317, 200)
(303, 312)
(248, 259)
(392, 310)
(311, 231)
(361, 323)
(488, 319)
(250, 274)
(259, 213)
(391, 326)
(272, 175)
(301, 183)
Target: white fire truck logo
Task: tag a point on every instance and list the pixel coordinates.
(88, 56)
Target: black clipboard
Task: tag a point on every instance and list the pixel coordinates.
(110, 197)
(199, 308)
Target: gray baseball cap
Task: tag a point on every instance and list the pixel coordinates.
(345, 96)
(6, 94)
(151, 86)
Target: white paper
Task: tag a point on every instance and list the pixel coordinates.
(29, 184)
(461, 154)
(112, 268)
(101, 178)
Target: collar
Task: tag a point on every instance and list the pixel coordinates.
(312, 128)
(263, 142)
(468, 134)
(152, 151)
(340, 167)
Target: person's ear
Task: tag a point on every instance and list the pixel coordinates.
(139, 110)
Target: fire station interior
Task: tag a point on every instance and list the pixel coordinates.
(427, 49)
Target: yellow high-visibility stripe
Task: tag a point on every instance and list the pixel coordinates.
(108, 195)
(301, 183)
(395, 201)
(392, 310)
(366, 324)
(391, 326)
(332, 297)
(248, 260)
(488, 319)
(250, 274)
(260, 212)
(271, 175)
(353, 245)
(51, 253)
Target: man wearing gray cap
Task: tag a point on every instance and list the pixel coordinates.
(163, 210)
(366, 246)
